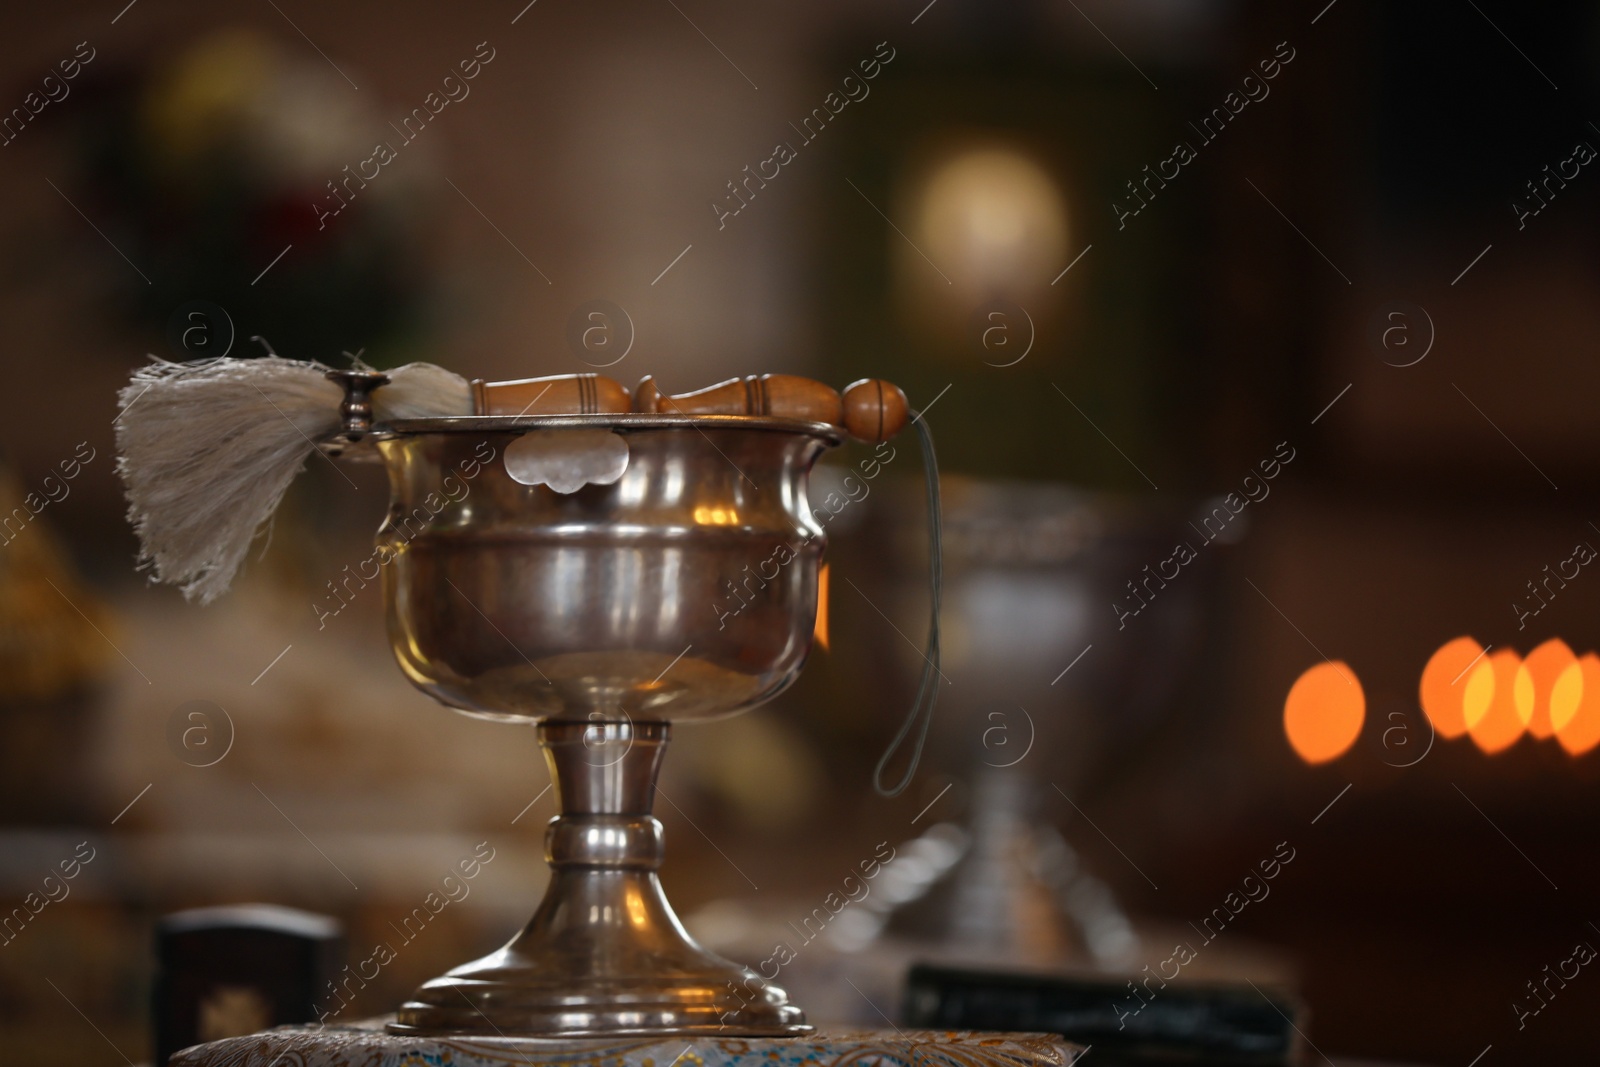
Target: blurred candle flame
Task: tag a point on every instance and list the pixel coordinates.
(1577, 722)
(1497, 726)
(1545, 666)
(1449, 687)
(1324, 712)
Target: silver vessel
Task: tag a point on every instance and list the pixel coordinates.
(684, 588)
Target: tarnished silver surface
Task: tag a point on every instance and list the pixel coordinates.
(601, 615)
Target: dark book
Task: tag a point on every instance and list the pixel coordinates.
(1190, 1023)
(225, 972)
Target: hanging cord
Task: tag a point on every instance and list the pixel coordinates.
(928, 689)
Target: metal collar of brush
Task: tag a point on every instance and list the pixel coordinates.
(355, 410)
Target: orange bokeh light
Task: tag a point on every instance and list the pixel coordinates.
(1323, 714)
(1498, 725)
(1445, 683)
(1579, 730)
(1544, 666)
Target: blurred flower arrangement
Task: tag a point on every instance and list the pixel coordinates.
(205, 168)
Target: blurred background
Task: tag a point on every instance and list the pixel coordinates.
(1338, 260)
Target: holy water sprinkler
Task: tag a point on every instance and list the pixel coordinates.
(576, 587)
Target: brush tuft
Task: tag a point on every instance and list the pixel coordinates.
(207, 450)
(421, 391)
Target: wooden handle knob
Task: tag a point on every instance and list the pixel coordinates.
(874, 410)
(557, 394)
(784, 396)
(646, 396)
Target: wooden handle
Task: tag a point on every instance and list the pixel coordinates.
(870, 410)
(558, 394)
(874, 410)
(781, 395)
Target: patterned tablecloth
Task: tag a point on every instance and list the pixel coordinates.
(365, 1044)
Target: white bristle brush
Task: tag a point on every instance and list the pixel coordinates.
(207, 450)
